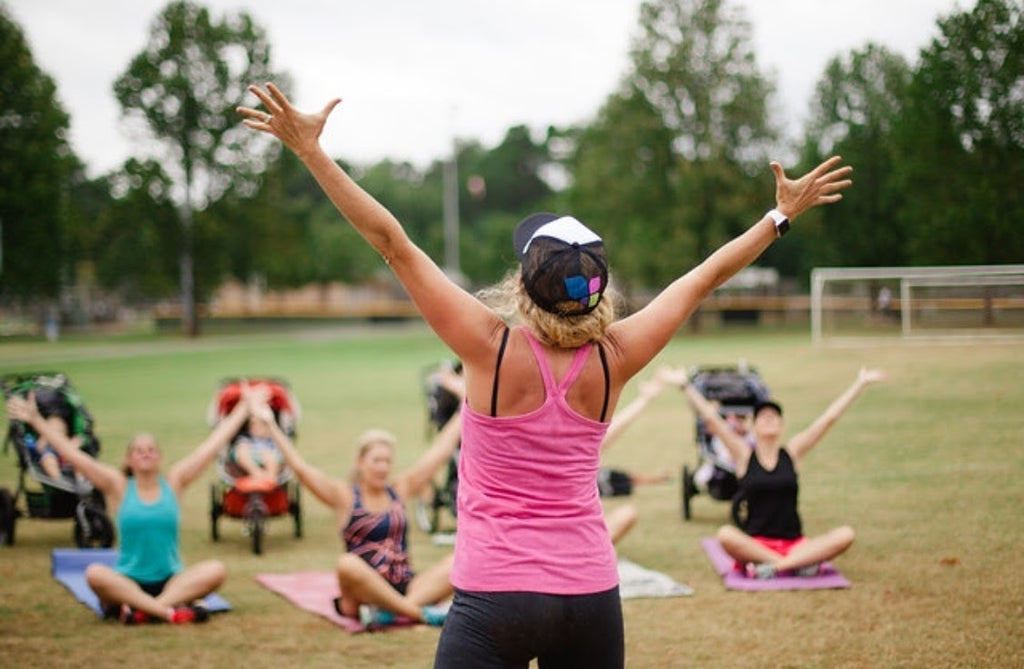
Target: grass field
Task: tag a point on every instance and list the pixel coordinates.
(927, 468)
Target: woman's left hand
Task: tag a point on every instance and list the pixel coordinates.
(819, 186)
(22, 409)
(299, 131)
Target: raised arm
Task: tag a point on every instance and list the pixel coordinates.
(440, 451)
(803, 442)
(642, 335)
(443, 446)
(625, 416)
(186, 470)
(333, 494)
(738, 447)
(108, 480)
(462, 321)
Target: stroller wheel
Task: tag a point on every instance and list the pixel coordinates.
(93, 528)
(257, 530)
(295, 509)
(216, 508)
(8, 517)
(689, 491)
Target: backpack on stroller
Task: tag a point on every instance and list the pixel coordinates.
(441, 406)
(736, 389)
(235, 494)
(38, 494)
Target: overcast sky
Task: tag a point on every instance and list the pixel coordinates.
(413, 74)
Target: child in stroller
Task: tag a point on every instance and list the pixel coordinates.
(254, 483)
(736, 390)
(51, 488)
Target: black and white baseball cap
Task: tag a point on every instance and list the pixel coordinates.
(564, 267)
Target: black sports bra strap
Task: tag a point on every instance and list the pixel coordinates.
(607, 382)
(497, 368)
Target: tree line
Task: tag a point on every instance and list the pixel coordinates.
(671, 165)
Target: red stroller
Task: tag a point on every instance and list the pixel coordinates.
(253, 499)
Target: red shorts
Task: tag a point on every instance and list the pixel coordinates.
(780, 546)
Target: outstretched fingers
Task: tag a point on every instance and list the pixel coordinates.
(273, 99)
(830, 184)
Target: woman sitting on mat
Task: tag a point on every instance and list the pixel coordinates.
(148, 581)
(374, 573)
(771, 541)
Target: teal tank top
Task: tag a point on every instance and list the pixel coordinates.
(149, 535)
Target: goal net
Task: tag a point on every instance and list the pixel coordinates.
(850, 304)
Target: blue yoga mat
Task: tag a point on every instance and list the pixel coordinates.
(69, 569)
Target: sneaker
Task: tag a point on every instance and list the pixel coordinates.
(183, 615)
(130, 616)
(760, 570)
(373, 616)
(808, 571)
(434, 615)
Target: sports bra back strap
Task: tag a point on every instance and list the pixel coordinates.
(607, 380)
(497, 369)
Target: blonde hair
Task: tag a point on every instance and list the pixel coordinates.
(509, 299)
(363, 444)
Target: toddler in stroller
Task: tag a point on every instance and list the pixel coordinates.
(51, 489)
(253, 482)
(736, 390)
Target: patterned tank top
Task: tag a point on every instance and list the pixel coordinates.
(380, 538)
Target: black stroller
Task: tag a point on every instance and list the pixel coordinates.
(737, 389)
(441, 406)
(39, 495)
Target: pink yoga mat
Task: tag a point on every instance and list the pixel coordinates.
(314, 591)
(828, 578)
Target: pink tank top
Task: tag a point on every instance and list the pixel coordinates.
(529, 514)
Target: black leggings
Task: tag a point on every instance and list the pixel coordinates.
(506, 630)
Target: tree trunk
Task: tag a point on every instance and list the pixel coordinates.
(189, 322)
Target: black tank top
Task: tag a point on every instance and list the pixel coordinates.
(771, 499)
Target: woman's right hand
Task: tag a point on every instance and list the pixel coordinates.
(866, 376)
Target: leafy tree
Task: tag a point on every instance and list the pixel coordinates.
(131, 235)
(35, 173)
(183, 88)
(671, 155)
(856, 106)
(961, 141)
(626, 183)
(498, 187)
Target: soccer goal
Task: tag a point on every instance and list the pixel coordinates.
(854, 304)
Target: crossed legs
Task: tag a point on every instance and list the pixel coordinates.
(743, 548)
(361, 584)
(186, 586)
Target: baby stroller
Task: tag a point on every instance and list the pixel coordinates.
(737, 389)
(441, 406)
(39, 495)
(251, 499)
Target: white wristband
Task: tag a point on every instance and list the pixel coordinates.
(781, 222)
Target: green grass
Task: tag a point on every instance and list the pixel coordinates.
(926, 467)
